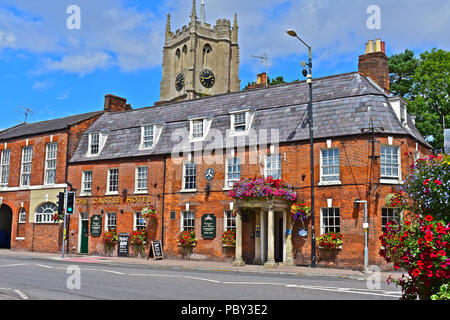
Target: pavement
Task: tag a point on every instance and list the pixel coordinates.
(202, 265)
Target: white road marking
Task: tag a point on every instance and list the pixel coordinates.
(44, 266)
(202, 279)
(21, 294)
(14, 265)
(333, 289)
(115, 272)
(154, 275)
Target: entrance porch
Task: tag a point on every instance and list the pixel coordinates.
(272, 232)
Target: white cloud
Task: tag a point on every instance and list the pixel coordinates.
(110, 35)
(80, 63)
(114, 35)
(42, 85)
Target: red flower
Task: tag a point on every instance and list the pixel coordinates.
(442, 253)
(420, 264)
(426, 182)
(420, 241)
(407, 223)
(429, 218)
(416, 272)
(437, 182)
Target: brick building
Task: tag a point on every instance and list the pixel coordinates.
(183, 158)
(33, 171)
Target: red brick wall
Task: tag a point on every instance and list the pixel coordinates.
(128, 203)
(356, 172)
(39, 144)
(40, 237)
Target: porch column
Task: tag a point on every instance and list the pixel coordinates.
(289, 257)
(257, 259)
(271, 240)
(263, 216)
(238, 262)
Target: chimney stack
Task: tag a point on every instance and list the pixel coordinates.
(374, 64)
(116, 104)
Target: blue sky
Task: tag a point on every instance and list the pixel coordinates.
(58, 72)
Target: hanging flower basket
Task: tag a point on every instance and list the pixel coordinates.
(396, 199)
(330, 241)
(110, 239)
(58, 218)
(300, 212)
(187, 239)
(138, 240)
(229, 238)
(262, 188)
(150, 213)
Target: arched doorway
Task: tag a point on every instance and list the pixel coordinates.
(6, 215)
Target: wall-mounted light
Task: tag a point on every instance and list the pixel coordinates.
(102, 212)
(121, 211)
(356, 204)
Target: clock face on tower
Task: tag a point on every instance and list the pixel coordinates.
(207, 78)
(179, 82)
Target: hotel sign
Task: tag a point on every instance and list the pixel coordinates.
(208, 226)
(144, 200)
(96, 226)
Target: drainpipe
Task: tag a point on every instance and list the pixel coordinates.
(163, 197)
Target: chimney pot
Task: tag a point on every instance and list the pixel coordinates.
(263, 78)
(377, 45)
(370, 46)
(258, 78)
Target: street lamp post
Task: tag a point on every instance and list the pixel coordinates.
(292, 33)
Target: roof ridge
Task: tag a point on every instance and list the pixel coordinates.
(174, 103)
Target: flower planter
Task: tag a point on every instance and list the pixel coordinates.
(329, 257)
(186, 251)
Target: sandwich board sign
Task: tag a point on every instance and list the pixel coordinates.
(156, 250)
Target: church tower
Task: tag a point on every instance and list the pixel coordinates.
(200, 59)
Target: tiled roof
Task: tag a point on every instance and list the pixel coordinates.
(341, 108)
(30, 129)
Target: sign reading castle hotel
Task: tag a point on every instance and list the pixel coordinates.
(114, 200)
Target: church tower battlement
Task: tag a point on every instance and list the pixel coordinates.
(200, 59)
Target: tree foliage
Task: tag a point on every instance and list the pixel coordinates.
(424, 83)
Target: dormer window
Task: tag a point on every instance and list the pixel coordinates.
(149, 135)
(199, 128)
(96, 143)
(241, 121)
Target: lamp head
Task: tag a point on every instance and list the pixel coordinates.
(305, 72)
(292, 33)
